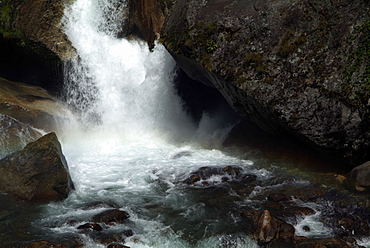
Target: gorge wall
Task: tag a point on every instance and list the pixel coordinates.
(292, 67)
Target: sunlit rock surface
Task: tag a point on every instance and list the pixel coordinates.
(38, 173)
(26, 112)
(295, 67)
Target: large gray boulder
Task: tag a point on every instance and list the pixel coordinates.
(292, 67)
(37, 173)
(359, 177)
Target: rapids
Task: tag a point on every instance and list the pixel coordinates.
(130, 143)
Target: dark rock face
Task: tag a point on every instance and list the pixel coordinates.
(291, 67)
(204, 176)
(146, 18)
(32, 43)
(43, 244)
(39, 172)
(37, 21)
(90, 226)
(359, 177)
(111, 216)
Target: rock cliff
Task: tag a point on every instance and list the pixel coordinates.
(31, 42)
(292, 67)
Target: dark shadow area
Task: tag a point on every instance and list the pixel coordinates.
(200, 98)
(31, 63)
(286, 149)
(247, 136)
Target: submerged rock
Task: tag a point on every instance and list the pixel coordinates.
(43, 244)
(204, 176)
(90, 226)
(39, 172)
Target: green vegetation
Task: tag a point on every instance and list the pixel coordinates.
(254, 60)
(358, 74)
(5, 12)
(198, 41)
(6, 16)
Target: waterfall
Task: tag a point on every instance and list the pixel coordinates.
(119, 87)
(132, 140)
(130, 145)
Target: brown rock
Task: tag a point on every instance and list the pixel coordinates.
(39, 172)
(111, 216)
(266, 227)
(31, 105)
(359, 177)
(322, 243)
(286, 230)
(277, 197)
(41, 21)
(92, 226)
(43, 244)
(147, 17)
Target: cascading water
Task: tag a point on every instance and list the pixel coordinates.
(132, 145)
(122, 150)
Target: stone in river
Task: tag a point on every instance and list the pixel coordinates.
(37, 173)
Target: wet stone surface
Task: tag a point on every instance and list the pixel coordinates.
(270, 209)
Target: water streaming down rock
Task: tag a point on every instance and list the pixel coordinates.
(122, 150)
(133, 147)
(119, 84)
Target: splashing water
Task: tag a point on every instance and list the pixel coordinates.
(123, 150)
(130, 145)
(119, 84)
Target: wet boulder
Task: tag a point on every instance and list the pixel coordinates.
(111, 216)
(43, 244)
(277, 197)
(265, 226)
(90, 226)
(359, 177)
(37, 173)
(322, 243)
(212, 175)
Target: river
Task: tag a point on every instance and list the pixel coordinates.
(131, 145)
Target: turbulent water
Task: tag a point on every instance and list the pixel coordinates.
(123, 149)
(130, 143)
